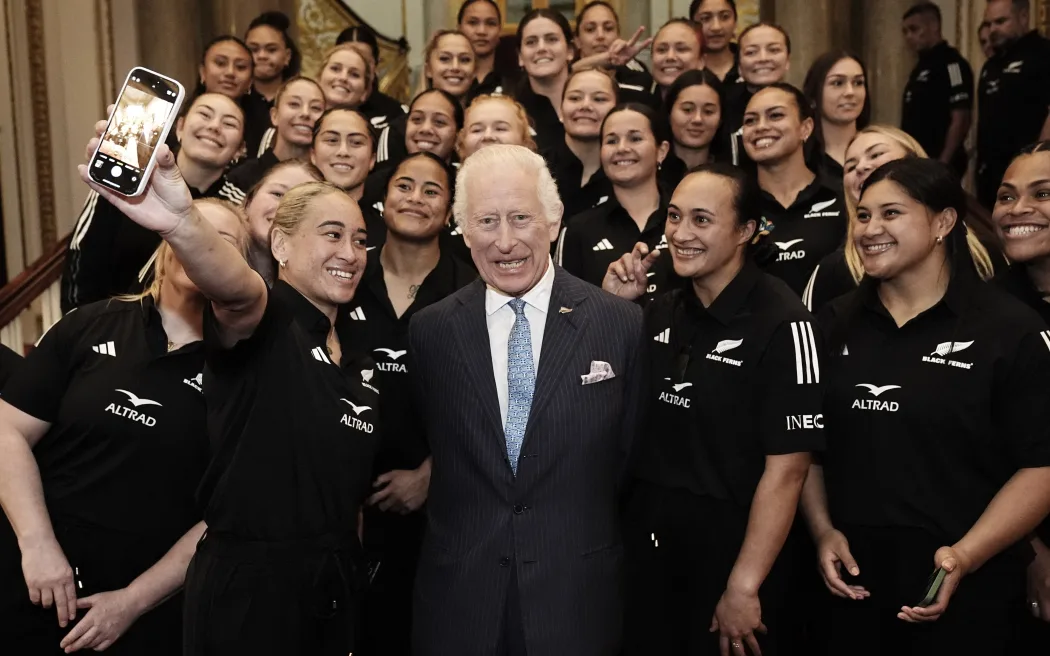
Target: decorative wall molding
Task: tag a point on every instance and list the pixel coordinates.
(34, 13)
(106, 69)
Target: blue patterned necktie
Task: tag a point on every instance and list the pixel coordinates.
(521, 380)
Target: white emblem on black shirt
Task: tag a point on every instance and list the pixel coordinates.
(663, 242)
(875, 404)
(105, 349)
(136, 401)
(948, 348)
(1046, 337)
(1014, 67)
(358, 409)
(722, 347)
(392, 355)
(358, 314)
(197, 382)
(923, 76)
(787, 253)
(674, 399)
(603, 245)
(133, 415)
(366, 376)
(817, 211)
(807, 366)
(664, 337)
(804, 422)
(320, 355)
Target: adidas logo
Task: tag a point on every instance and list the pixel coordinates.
(105, 349)
(358, 314)
(603, 245)
(320, 355)
(1046, 337)
(456, 231)
(664, 337)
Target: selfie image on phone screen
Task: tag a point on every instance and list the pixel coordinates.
(139, 123)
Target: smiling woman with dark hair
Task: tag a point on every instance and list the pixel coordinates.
(938, 452)
(836, 85)
(733, 414)
(545, 51)
(717, 21)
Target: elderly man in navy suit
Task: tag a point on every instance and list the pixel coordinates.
(530, 381)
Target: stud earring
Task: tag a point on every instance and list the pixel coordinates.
(940, 239)
(283, 263)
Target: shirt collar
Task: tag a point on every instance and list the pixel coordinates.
(727, 304)
(538, 297)
(305, 312)
(956, 298)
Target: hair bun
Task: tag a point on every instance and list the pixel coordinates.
(275, 19)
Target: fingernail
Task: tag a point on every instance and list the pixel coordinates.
(854, 571)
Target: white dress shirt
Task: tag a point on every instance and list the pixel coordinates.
(499, 317)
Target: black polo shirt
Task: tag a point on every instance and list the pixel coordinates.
(941, 82)
(926, 422)
(294, 434)
(108, 250)
(248, 173)
(829, 280)
(1015, 281)
(10, 362)
(603, 234)
(390, 146)
(127, 445)
(567, 171)
(494, 84)
(1013, 96)
(373, 329)
(730, 385)
(545, 122)
(636, 84)
(802, 234)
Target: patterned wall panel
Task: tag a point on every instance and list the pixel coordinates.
(321, 21)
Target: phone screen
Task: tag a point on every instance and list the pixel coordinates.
(135, 129)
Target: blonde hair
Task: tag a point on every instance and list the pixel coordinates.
(982, 260)
(156, 269)
(292, 208)
(346, 47)
(519, 113)
(425, 83)
(501, 158)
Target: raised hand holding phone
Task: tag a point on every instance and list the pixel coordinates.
(127, 150)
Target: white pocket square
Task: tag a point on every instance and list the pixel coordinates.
(599, 371)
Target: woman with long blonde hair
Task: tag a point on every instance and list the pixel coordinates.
(873, 146)
(103, 443)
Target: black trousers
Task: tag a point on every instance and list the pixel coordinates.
(392, 544)
(895, 565)
(105, 560)
(680, 549)
(278, 598)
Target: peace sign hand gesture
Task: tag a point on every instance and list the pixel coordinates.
(626, 277)
(621, 52)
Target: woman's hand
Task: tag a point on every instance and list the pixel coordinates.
(956, 565)
(50, 578)
(109, 616)
(621, 52)
(164, 204)
(737, 617)
(626, 277)
(1039, 581)
(832, 555)
(402, 491)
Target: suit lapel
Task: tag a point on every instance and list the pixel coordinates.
(473, 334)
(561, 334)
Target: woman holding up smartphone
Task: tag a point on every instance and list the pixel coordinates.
(280, 569)
(734, 413)
(108, 253)
(937, 457)
(102, 447)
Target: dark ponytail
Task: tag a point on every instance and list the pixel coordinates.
(280, 22)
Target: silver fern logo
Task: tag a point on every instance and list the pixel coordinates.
(946, 348)
(727, 345)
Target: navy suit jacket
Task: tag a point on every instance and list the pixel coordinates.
(557, 521)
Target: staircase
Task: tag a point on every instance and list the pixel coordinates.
(30, 303)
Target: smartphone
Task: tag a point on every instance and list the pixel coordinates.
(146, 108)
(933, 586)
